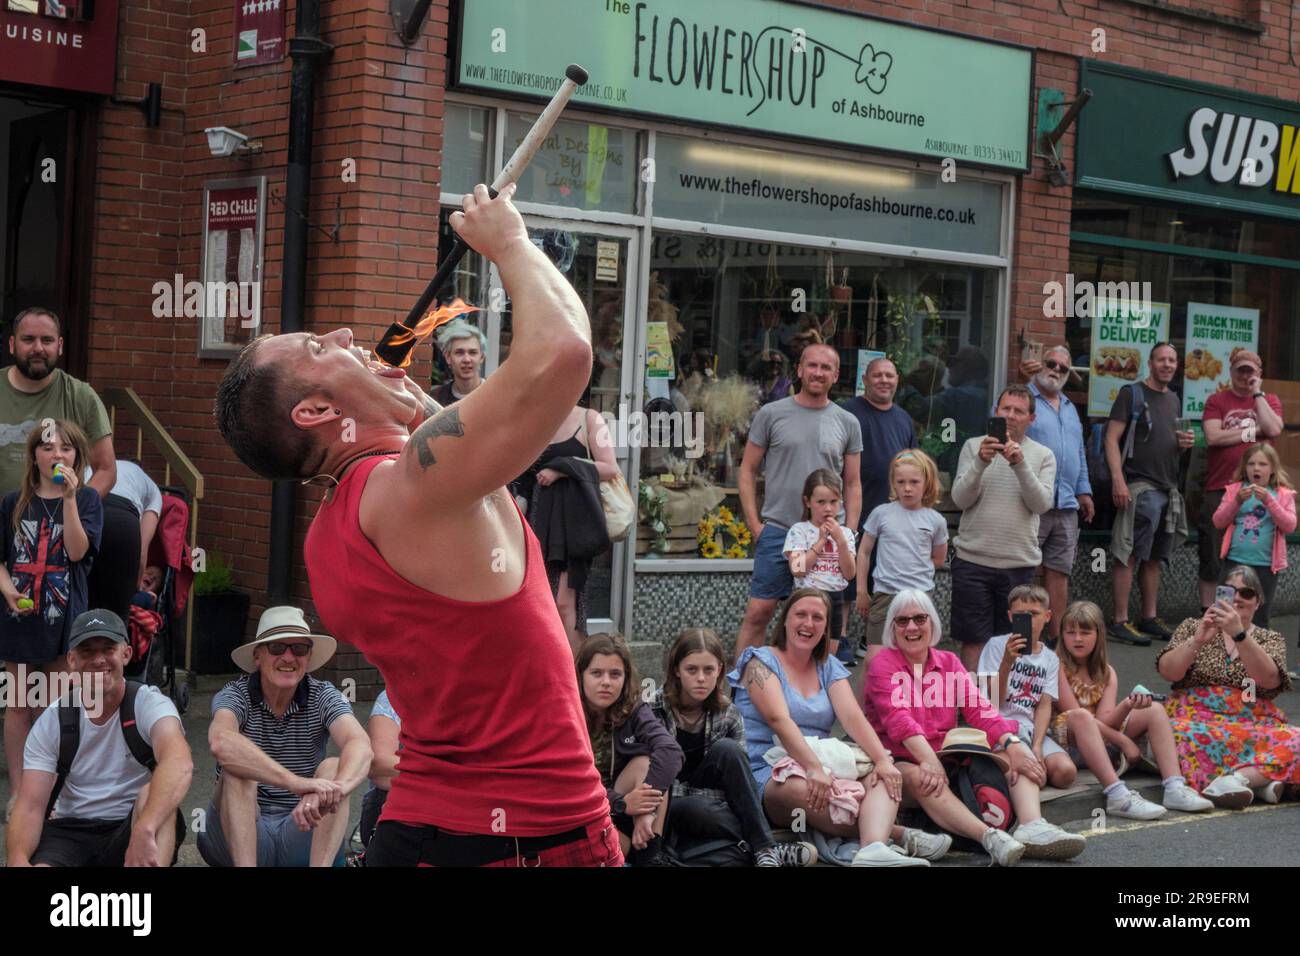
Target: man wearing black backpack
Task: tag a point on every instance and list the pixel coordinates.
(1143, 448)
(102, 783)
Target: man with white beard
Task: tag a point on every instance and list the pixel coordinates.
(1057, 426)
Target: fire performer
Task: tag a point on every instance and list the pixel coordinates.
(421, 559)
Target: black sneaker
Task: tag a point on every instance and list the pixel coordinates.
(1126, 633)
(1155, 627)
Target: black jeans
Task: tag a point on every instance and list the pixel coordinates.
(725, 767)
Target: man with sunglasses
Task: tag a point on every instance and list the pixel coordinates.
(1056, 425)
(279, 801)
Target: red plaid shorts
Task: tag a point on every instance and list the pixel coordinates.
(600, 848)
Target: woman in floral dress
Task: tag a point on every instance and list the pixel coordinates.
(1234, 743)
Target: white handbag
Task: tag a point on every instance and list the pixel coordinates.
(615, 498)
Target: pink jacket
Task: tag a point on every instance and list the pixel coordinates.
(898, 708)
(1281, 509)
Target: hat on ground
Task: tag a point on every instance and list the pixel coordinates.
(285, 623)
(1242, 356)
(971, 740)
(97, 623)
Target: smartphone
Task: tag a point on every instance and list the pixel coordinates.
(1159, 698)
(1225, 593)
(998, 429)
(1022, 625)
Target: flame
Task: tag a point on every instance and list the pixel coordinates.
(426, 326)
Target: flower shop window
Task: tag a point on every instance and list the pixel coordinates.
(726, 321)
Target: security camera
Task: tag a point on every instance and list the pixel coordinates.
(224, 141)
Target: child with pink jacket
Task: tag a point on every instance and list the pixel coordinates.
(1258, 512)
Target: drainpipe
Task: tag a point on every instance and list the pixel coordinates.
(306, 48)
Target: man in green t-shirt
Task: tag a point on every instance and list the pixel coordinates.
(33, 389)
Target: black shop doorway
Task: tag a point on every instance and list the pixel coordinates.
(45, 229)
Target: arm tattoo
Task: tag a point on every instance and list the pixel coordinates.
(446, 422)
(757, 674)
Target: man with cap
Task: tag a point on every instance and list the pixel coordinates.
(279, 801)
(111, 808)
(1233, 421)
(462, 346)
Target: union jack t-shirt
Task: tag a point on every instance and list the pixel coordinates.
(37, 561)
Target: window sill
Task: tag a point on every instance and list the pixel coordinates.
(1205, 16)
(680, 565)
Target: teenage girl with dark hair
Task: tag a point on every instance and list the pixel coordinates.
(695, 708)
(637, 757)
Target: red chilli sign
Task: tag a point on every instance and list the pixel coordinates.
(64, 44)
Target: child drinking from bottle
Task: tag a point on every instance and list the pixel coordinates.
(820, 549)
(50, 529)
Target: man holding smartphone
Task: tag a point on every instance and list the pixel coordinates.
(1004, 482)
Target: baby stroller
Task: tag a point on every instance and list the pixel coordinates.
(156, 634)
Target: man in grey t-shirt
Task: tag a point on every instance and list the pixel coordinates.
(790, 439)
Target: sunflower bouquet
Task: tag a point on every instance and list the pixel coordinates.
(721, 535)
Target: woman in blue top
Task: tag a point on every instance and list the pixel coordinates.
(795, 690)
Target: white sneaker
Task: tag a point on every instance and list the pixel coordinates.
(877, 854)
(1184, 798)
(1002, 847)
(1231, 791)
(1046, 841)
(1134, 807)
(927, 846)
(1271, 792)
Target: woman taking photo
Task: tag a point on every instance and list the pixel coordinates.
(1234, 743)
(795, 690)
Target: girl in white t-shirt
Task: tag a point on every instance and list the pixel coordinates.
(819, 548)
(909, 537)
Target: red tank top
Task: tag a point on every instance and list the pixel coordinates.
(492, 729)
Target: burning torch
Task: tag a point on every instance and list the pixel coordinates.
(401, 338)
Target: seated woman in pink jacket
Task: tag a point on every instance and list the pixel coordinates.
(912, 695)
(1258, 511)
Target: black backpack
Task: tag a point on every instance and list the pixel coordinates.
(702, 831)
(70, 738)
(979, 783)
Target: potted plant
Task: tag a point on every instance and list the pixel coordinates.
(220, 616)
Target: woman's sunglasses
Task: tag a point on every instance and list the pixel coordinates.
(918, 619)
(1248, 593)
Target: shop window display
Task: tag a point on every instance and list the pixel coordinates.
(738, 313)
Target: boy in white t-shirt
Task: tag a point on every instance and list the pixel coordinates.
(1028, 684)
(820, 549)
(112, 810)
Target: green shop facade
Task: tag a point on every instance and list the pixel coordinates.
(1194, 189)
(722, 185)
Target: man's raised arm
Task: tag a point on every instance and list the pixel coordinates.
(492, 435)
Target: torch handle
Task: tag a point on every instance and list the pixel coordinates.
(441, 277)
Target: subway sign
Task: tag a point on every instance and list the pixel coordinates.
(1250, 151)
(1173, 140)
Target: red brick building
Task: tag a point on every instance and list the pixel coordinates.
(126, 209)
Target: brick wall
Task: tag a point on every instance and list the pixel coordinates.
(381, 104)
